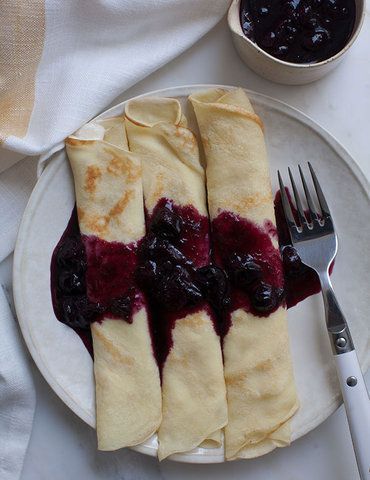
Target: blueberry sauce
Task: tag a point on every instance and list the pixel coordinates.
(176, 247)
(299, 31)
(110, 276)
(174, 268)
(252, 263)
(69, 258)
(92, 278)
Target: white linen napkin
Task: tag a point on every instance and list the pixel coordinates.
(68, 60)
(17, 396)
(61, 63)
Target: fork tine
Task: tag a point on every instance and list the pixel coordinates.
(310, 204)
(285, 202)
(301, 215)
(324, 206)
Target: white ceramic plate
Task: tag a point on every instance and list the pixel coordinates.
(291, 138)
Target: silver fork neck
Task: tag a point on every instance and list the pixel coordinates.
(325, 280)
(340, 336)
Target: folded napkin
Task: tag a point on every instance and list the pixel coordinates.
(61, 63)
(17, 396)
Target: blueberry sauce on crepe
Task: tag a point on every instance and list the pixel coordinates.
(252, 263)
(92, 278)
(167, 265)
(172, 266)
(175, 246)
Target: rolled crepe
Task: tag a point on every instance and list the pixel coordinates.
(193, 387)
(258, 370)
(110, 209)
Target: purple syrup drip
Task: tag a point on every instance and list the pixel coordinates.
(245, 250)
(175, 246)
(71, 232)
(102, 282)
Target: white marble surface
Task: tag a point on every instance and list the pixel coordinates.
(62, 447)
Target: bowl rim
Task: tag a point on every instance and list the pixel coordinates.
(233, 20)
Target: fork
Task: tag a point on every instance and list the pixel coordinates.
(313, 237)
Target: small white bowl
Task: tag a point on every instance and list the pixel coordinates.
(286, 72)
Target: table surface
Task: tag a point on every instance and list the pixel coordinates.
(62, 447)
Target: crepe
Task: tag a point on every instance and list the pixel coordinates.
(109, 200)
(258, 370)
(193, 387)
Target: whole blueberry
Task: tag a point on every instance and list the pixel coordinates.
(263, 297)
(161, 250)
(121, 307)
(291, 261)
(312, 22)
(248, 29)
(263, 11)
(332, 6)
(281, 50)
(305, 13)
(213, 283)
(315, 39)
(147, 273)
(177, 290)
(78, 312)
(166, 223)
(71, 283)
(244, 270)
(71, 254)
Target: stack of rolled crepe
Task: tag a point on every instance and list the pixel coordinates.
(258, 370)
(160, 160)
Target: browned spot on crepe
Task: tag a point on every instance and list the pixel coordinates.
(246, 203)
(195, 320)
(119, 207)
(159, 189)
(109, 346)
(236, 379)
(264, 365)
(99, 223)
(76, 142)
(240, 110)
(250, 115)
(96, 223)
(80, 214)
(118, 166)
(185, 133)
(256, 119)
(188, 140)
(93, 175)
(178, 132)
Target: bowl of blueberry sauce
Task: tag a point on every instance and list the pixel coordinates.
(294, 41)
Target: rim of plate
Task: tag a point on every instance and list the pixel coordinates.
(205, 455)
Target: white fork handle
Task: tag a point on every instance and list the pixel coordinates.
(357, 403)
